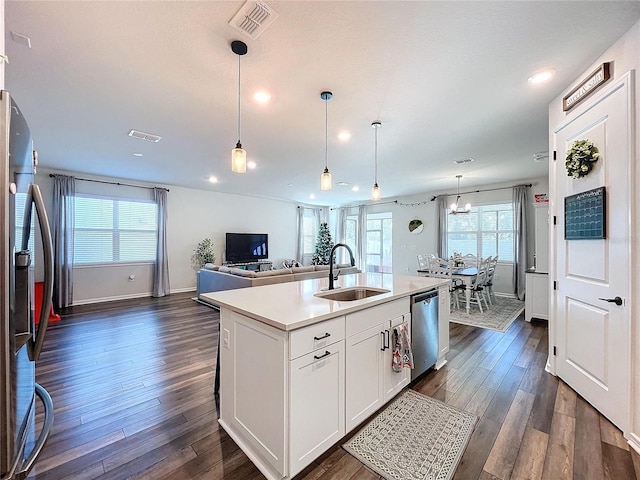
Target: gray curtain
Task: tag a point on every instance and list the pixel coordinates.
(520, 204)
(341, 232)
(441, 215)
(63, 219)
(161, 266)
(300, 245)
(362, 238)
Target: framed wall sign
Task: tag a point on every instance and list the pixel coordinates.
(586, 87)
(585, 215)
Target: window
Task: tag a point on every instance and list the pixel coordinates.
(109, 230)
(350, 237)
(485, 231)
(378, 242)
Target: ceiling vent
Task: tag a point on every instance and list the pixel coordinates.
(253, 18)
(464, 160)
(149, 137)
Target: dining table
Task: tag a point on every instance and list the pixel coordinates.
(466, 275)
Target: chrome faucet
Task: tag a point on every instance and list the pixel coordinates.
(353, 263)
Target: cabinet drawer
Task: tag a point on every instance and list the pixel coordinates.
(360, 321)
(308, 339)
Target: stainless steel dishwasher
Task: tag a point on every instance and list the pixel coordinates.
(424, 331)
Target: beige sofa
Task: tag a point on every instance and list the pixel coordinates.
(218, 278)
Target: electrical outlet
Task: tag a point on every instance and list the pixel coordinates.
(225, 338)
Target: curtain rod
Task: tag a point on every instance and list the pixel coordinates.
(113, 183)
(478, 191)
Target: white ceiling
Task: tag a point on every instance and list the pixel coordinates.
(448, 81)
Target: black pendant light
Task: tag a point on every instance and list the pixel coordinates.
(375, 191)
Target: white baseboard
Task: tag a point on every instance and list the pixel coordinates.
(114, 298)
(634, 442)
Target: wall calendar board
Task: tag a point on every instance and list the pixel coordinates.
(585, 215)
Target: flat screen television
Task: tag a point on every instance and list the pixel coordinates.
(246, 247)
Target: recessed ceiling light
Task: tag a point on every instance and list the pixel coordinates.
(542, 76)
(344, 136)
(251, 165)
(262, 96)
(137, 154)
(213, 179)
(312, 196)
(355, 188)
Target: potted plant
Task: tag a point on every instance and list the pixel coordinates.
(203, 254)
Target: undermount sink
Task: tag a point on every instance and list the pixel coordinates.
(350, 294)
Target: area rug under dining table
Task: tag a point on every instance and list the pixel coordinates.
(415, 437)
(498, 316)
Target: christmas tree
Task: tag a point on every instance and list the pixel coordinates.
(324, 244)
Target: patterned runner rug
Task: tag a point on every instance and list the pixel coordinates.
(414, 438)
(499, 316)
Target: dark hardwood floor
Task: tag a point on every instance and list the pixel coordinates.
(132, 385)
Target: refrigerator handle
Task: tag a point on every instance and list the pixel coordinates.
(44, 433)
(47, 293)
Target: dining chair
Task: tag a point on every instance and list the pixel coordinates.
(423, 263)
(491, 270)
(441, 268)
(478, 287)
(470, 260)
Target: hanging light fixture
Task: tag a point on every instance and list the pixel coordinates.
(375, 191)
(325, 178)
(455, 207)
(238, 154)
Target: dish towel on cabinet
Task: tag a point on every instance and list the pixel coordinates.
(402, 354)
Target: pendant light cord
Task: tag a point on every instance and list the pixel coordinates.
(238, 98)
(326, 133)
(375, 163)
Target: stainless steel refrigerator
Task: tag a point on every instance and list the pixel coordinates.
(20, 339)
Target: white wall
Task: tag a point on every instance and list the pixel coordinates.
(192, 216)
(625, 55)
(406, 246)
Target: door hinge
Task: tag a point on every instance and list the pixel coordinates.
(554, 155)
(555, 352)
(555, 220)
(555, 285)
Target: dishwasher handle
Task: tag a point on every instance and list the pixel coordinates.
(424, 296)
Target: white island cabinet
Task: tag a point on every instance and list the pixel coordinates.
(298, 372)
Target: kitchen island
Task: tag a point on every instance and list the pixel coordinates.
(298, 371)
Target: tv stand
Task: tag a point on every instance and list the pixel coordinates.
(259, 266)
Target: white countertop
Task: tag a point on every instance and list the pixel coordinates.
(292, 305)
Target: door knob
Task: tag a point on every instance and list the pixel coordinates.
(617, 300)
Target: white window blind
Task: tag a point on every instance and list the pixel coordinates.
(110, 230)
(487, 230)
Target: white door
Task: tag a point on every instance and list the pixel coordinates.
(592, 335)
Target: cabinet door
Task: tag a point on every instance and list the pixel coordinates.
(364, 384)
(394, 382)
(317, 404)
